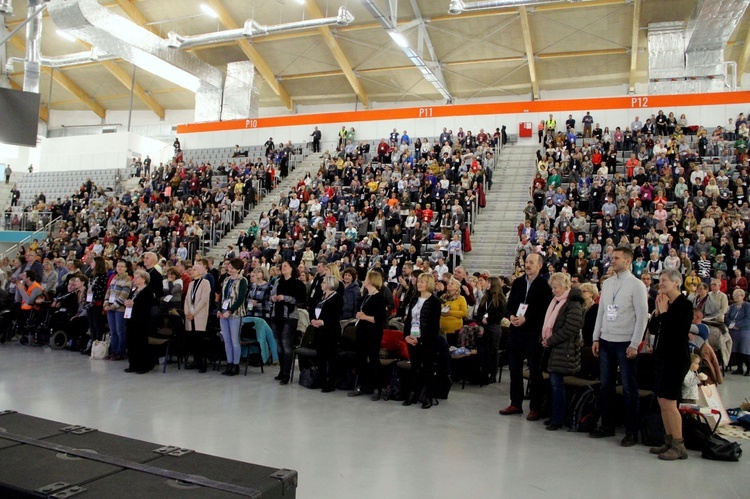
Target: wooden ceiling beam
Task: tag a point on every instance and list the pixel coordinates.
(634, 44)
(65, 82)
(744, 58)
(136, 15)
(529, 51)
(253, 55)
(338, 54)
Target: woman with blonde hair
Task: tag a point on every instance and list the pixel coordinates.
(562, 322)
(422, 326)
(590, 294)
(453, 312)
(333, 269)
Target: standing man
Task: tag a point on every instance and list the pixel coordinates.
(8, 171)
(15, 196)
(588, 121)
(527, 306)
(147, 166)
(316, 135)
(620, 325)
(551, 125)
(156, 282)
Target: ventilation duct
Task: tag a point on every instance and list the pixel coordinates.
(241, 91)
(115, 35)
(32, 67)
(6, 8)
(708, 32)
(62, 61)
(689, 58)
(457, 7)
(253, 29)
(430, 71)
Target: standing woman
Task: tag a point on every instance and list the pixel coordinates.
(231, 311)
(562, 323)
(738, 321)
(327, 331)
(490, 312)
(590, 294)
(259, 306)
(139, 324)
(197, 302)
(453, 312)
(422, 325)
(370, 320)
(670, 324)
(95, 301)
(287, 296)
(114, 304)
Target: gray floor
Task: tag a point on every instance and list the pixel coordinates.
(356, 448)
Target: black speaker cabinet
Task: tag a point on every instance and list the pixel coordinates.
(43, 458)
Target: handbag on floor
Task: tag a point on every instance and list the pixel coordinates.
(100, 349)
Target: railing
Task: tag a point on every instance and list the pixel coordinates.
(47, 229)
(26, 220)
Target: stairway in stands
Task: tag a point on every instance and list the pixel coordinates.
(310, 163)
(496, 232)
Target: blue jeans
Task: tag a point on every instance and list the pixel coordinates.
(284, 331)
(230, 331)
(116, 322)
(611, 355)
(559, 400)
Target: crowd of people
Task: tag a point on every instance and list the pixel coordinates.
(372, 240)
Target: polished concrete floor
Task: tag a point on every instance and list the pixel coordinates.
(356, 448)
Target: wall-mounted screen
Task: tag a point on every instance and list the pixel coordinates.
(19, 117)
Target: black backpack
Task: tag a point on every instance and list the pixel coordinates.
(583, 412)
(394, 390)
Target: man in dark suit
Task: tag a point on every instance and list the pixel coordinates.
(527, 305)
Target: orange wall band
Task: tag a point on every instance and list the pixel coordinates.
(641, 102)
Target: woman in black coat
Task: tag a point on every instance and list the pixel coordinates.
(326, 320)
(371, 318)
(140, 324)
(560, 338)
(422, 327)
(670, 324)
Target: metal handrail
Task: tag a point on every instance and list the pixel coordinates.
(46, 229)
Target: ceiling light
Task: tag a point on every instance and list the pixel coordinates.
(399, 39)
(301, 2)
(65, 35)
(209, 11)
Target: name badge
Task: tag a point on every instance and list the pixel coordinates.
(90, 296)
(225, 304)
(167, 298)
(112, 298)
(612, 312)
(522, 310)
(732, 325)
(128, 312)
(415, 332)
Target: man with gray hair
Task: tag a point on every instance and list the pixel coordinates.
(155, 284)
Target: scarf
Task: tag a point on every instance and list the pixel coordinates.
(551, 316)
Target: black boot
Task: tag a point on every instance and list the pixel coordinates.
(201, 364)
(228, 370)
(235, 370)
(410, 399)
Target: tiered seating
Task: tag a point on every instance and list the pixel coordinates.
(60, 184)
(219, 155)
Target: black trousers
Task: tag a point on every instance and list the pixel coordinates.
(423, 358)
(489, 348)
(525, 346)
(325, 344)
(136, 340)
(368, 359)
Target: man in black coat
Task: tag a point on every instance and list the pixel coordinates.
(527, 305)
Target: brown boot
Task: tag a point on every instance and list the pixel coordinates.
(676, 451)
(664, 448)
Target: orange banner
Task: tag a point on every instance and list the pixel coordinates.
(653, 102)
